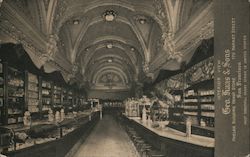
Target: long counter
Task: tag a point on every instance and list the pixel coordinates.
(172, 142)
(60, 146)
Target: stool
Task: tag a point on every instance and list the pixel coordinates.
(145, 149)
(155, 153)
(138, 143)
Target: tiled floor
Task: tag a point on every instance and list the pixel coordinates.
(107, 139)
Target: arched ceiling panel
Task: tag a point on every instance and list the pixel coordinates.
(144, 35)
(111, 57)
(113, 65)
(109, 76)
(126, 8)
(126, 54)
(100, 71)
(116, 42)
(111, 60)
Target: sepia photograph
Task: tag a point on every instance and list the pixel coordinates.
(124, 78)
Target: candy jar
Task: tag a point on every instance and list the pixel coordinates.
(57, 116)
(50, 116)
(62, 114)
(27, 119)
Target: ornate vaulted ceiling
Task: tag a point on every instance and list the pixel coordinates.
(107, 44)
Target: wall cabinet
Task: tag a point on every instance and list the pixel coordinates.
(22, 91)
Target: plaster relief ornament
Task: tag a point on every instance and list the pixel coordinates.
(51, 49)
(52, 45)
(170, 47)
(69, 77)
(146, 67)
(109, 15)
(75, 68)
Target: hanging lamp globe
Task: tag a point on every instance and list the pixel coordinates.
(109, 15)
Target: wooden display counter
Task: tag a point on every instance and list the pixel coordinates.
(174, 143)
(61, 145)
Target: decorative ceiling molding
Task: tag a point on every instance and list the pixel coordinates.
(110, 77)
(105, 69)
(108, 60)
(42, 49)
(87, 55)
(16, 23)
(96, 51)
(115, 57)
(142, 42)
(114, 65)
(131, 24)
(74, 11)
(172, 10)
(68, 36)
(187, 38)
(51, 12)
(76, 47)
(40, 14)
(163, 14)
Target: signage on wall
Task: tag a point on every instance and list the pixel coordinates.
(232, 78)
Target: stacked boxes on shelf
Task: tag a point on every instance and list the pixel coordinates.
(14, 95)
(33, 93)
(207, 106)
(57, 96)
(1, 93)
(191, 105)
(46, 95)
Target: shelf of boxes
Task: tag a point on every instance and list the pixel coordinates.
(33, 93)
(15, 95)
(57, 96)
(46, 95)
(207, 106)
(1, 93)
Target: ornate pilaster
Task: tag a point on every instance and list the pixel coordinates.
(178, 45)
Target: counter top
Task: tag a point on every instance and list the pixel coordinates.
(21, 127)
(177, 135)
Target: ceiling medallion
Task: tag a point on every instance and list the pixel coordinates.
(109, 45)
(87, 49)
(76, 22)
(109, 15)
(110, 60)
(141, 19)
